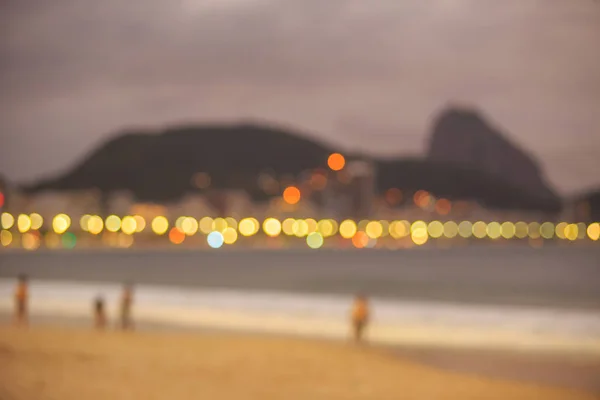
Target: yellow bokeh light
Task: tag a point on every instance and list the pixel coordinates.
(7, 220)
(272, 227)
(325, 228)
(362, 224)
(140, 223)
(450, 229)
(84, 222)
(95, 225)
(533, 230)
(300, 228)
(593, 231)
(399, 229)
(112, 223)
(128, 225)
(288, 226)
(419, 236)
(23, 223)
(160, 225)
(418, 226)
(374, 229)
(560, 230)
(189, 226)
(179, 222)
(521, 230)
(435, 229)
(572, 231)
(206, 225)
(547, 230)
(314, 240)
(480, 229)
(36, 221)
(231, 222)
(30, 241)
(493, 230)
(507, 230)
(61, 223)
(248, 226)
(348, 229)
(312, 225)
(219, 225)
(230, 235)
(6, 238)
(465, 229)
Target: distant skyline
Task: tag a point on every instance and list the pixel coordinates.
(356, 74)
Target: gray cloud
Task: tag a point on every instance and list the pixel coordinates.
(73, 71)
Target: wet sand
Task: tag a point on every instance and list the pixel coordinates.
(77, 363)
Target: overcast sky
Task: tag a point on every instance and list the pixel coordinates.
(358, 73)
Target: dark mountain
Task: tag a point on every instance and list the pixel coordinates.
(160, 167)
(464, 137)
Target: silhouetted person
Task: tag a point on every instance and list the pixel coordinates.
(22, 301)
(360, 316)
(99, 313)
(126, 304)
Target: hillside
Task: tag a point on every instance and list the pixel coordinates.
(160, 166)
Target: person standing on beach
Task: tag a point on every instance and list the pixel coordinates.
(99, 313)
(22, 301)
(360, 317)
(126, 304)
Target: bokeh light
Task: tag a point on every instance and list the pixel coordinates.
(128, 225)
(315, 240)
(435, 229)
(230, 235)
(443, 206)
(52, 240)
(61, 223)
(248, 226)
(30, 241)
(465, 229)
(593, 231)
(69, 240)
(36, 221)
(508, 230)
(521, 230)
(311, 224)
(572, 232)
(287, 226)
(23, 223)
(399, 229)
(325, 228)
(112, 223)
(560, 230)
(160, 225)
(215, 239)
(348, 229)
(418, 233)
(533, 230)
(581, 229)
(140, 223)
(374, 229)
(493, 230)
(6, 238)
(300, 228)
(176, 236)
(189, 226)
(219, 225)
(450, 229)
(360, 240)
(547, 230)
(206, 225)
(336, 162)
(95, 224)
(7, 220)
(231, 222)
(480, 229)
(272, 227)
(84, 222)
(393, 196)
(124, 240)
(291, 195)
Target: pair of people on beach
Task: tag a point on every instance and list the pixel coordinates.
(22, 306)
(126, 320)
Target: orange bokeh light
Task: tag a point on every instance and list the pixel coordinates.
(422, 198)
(336, 161)
(360, 240)
(176, 236)
(291, 195)
(443, 206)
(393, 196)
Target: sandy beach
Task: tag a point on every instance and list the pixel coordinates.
(74, 363)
